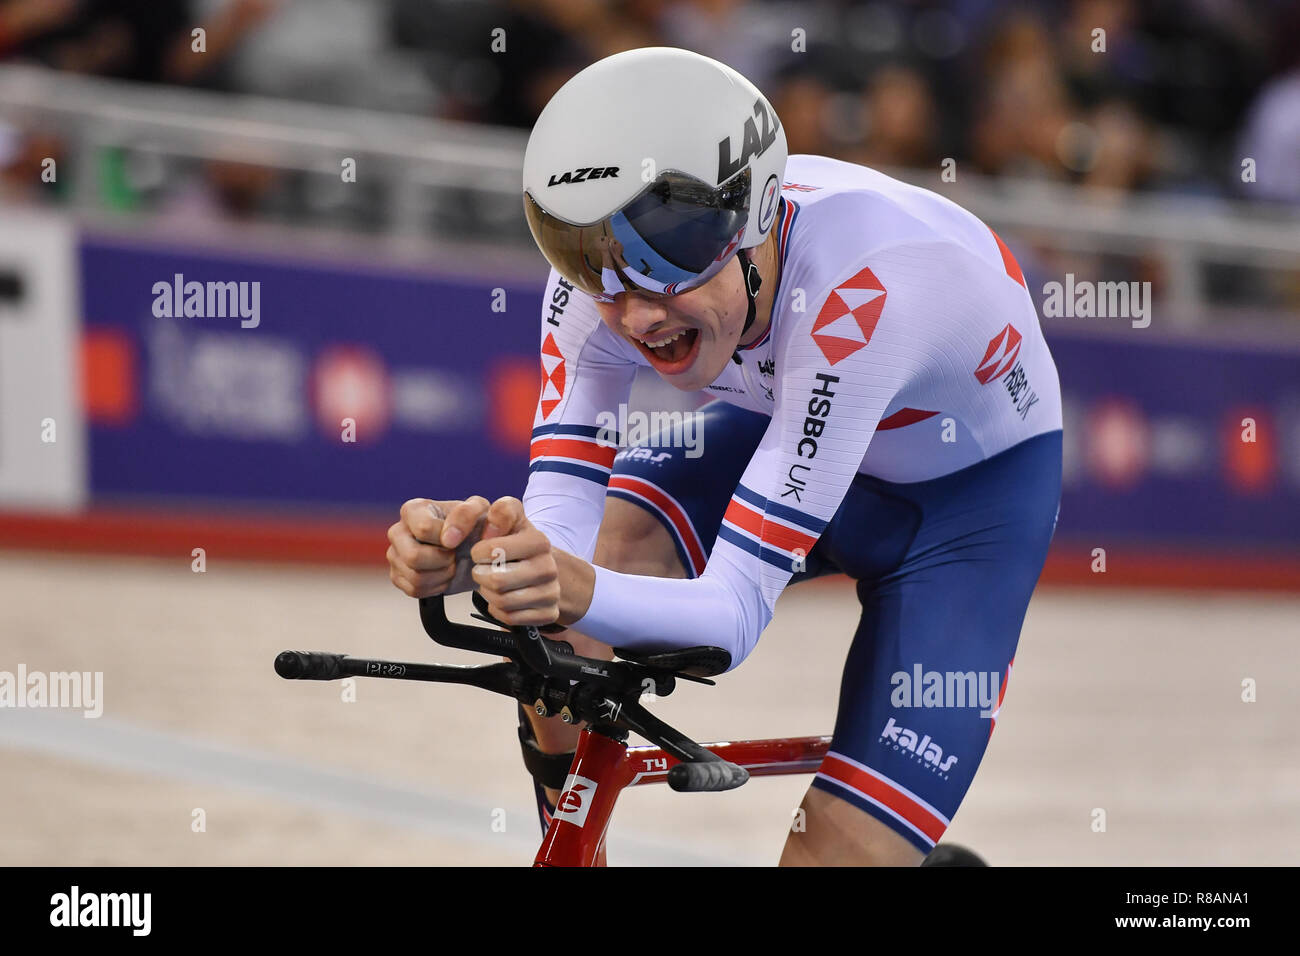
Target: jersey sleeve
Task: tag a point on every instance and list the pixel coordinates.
(585, 377)
(839, 364)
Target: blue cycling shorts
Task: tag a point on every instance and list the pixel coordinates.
(944, 570)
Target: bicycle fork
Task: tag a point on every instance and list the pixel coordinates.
(600, 771)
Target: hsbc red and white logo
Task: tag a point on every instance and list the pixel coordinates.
(848, 317)
(352, 381)
(1000, 355)
(552, 375)
(575, 800)
(999, 362)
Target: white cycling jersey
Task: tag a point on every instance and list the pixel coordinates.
(903, 344)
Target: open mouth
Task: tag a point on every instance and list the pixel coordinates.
(671, 353)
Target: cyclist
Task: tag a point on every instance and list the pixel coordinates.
(887, 408)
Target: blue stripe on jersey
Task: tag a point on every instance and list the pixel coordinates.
(784, 512)
(571, 468)
(582, 431)
(775, 558)
(786, 229)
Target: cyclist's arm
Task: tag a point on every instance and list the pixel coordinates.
(824, 418)
(586, 376)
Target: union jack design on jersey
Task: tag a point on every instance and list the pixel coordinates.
(780, 535)
(583, 451)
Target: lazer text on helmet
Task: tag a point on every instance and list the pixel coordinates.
(584, 174)
(752, 144)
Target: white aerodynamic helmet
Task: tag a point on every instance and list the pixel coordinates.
(650, 169)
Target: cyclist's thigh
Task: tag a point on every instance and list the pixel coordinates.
(687, 495)
(928, 666)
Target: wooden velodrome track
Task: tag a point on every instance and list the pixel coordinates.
(1129, 702)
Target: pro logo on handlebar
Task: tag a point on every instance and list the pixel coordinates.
(575, 800)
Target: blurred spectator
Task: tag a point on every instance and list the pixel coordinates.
(141, 40)
(25, 24)
(901, 121)
(500, 63)
(803, 100)
(1024, 109)
(1112, 94)
(1272, 134)
(22, 158)
(1121, 148)
(753, 38)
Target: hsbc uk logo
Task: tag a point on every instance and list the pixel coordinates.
(575, 800)
(848, 317)
(1001, 361)
(924, 749)
(552, 375)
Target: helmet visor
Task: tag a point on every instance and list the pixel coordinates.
(672, 236)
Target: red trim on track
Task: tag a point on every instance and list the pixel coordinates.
(330, 539)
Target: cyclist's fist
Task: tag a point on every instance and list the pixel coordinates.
(514, 567)
(428, 547)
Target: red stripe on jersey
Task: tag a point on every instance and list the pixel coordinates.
(787, 539)
(672, 510)
(884, 793)
(1009, 261)
(1002, 693)
(904, 417)
(583, 450)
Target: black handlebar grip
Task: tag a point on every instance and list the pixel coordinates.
(699, 777)
(308, 665)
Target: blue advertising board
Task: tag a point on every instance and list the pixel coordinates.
(203, 389)
(251, 398)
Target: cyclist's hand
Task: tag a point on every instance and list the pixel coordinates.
(514, 567)
(428, 547)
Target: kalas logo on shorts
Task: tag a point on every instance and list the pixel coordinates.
(848, 317)
(552, 375)
(575, 800)
(925, 749)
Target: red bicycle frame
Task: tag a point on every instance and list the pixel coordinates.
(603, 766)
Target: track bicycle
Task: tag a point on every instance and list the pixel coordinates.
(547, 676)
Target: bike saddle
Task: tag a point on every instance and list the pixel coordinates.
(693, 661)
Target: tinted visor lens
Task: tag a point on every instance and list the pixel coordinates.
(672, 236)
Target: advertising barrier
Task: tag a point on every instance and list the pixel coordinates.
(238, 387)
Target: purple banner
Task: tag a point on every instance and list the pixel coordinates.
(229, 378)
(224, 378)
(1179, 443)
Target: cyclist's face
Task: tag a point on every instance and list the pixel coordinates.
(687, 338)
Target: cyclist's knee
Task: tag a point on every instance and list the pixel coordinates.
(632, 540)
(828, 831)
